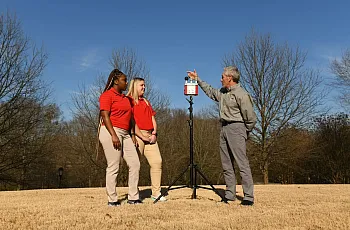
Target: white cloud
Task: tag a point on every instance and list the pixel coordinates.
(330, 57)
(321, 55)
(89, 59)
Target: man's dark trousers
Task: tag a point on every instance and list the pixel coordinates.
(233, 138)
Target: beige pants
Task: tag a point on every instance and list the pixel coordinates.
(113, 157)
(152, 154)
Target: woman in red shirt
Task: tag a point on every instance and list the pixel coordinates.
(145, 121)
(116, 137)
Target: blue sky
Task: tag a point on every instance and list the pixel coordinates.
(173, 36)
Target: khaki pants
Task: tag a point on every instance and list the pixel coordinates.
(113, 157)
(152, 154)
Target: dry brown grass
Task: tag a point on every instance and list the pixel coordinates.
(276, 207)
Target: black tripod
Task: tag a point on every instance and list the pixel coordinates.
(193, 168)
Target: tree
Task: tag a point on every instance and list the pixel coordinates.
(82, 136)
(342, 71)
(283, 90)
(128, 62)
(331, 152)
(293, 147)
(173, 136)
(24, 111)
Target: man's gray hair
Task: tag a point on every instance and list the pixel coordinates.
(233, 72)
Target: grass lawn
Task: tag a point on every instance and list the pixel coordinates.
(276, 207)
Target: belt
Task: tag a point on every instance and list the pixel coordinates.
(223, 122)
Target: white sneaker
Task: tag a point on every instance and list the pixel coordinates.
(161, 199)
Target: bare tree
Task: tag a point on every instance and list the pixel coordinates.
(174, 145)
(23, 96)
(128, 61)
(209, 112)
(85, 102)
(341, 68)
(289, 153)
(283, 90)
(82, 133)
(331, 151)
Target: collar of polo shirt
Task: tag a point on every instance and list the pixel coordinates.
(116, 92)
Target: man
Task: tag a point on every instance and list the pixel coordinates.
(237, 118)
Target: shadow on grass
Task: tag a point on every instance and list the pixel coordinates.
(222, 193)
(146, 193)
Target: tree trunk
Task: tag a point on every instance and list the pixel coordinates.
(266, 172)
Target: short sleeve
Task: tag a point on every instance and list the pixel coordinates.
(105, 101)
(152, 111)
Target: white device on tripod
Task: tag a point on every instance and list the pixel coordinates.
(191, 87)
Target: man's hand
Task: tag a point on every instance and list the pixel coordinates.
(116, 143)
(193, 75)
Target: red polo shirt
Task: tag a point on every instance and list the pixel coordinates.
(143, 114)
(119, 107)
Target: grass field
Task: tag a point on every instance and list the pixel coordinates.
(276, 207)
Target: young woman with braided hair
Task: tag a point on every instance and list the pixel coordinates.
(116, 134)
(146, 123)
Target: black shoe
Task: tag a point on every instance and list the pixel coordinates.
(135, 202)
(113, 204)
(228, 200)
(247, 202)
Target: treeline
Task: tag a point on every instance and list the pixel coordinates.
(294, 140)
(319, 154)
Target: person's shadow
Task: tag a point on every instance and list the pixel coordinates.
(147, 193)
(222, 192)
(144, 194)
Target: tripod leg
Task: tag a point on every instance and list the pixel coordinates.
(166, 190)
(223, 198)
(194, 172)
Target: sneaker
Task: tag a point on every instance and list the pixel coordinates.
(113, 204)
(134, 202)
(161, 199)
(247, 202)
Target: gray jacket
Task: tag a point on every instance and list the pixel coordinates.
(235, 104)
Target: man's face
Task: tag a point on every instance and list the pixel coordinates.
(225, 80)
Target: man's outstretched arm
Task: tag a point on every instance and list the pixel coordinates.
(211, 92)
